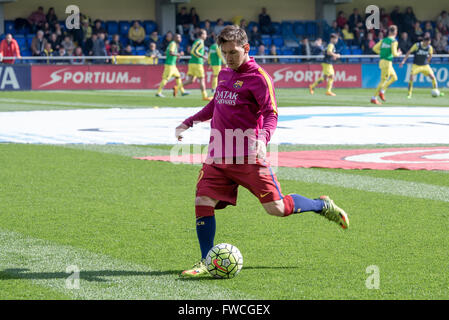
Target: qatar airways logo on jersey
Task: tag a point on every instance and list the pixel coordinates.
(226, 97)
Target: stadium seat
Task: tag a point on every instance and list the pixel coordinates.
(278, 41)
(112, 27)
(149, 26)
(298, 28)
(251, 24)
(21, 41)
(357, 51)
(266, 40)
(311, 29)
(252, 51)
(287, 29)
(9, 27)
(140, 52)
(277, 28)
(124, 27)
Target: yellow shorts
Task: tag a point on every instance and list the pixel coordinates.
(386, 69)
(170, 71)
(328, 69)
(195, 70)
(216, 70)
(425, 70)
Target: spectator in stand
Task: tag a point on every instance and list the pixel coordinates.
(396, 17)
(317, 47)
(38, 43)
(87, 30)
(348, 36)
(59, 32)
(255, 38)
(417, 32)
(99, 47)
(68, 44)
(440, 43)
(47, 30)
(265, 22)
(385, 18)
(210, 34)
(341, 20)
(47, 52)
(273, 52)
(127, 51)
(369, 43)
(51, 18)
(9, 48)
(98, 28)
(444, 19)
(244, 25)
(192, 34)
(409, 20)
(116, 41)
(441, 28)
(183, 21)
(60, 53)
(153, 53)
(136, 34)
(404, 42)
(167, 39)
(194, 18)
(37, 19)
(359, 36)
(354, 19)
(305, 48)
(113, 50)
(154, 37)
(261, 52)
(54, 41)
(335, 29)
(219, 26)
(428, 28)
(78, 56)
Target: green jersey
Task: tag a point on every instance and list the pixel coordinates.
(388, 49)
(171, 60)
(197, 52)
(215, 57)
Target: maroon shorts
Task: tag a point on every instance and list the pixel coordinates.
(221, 181)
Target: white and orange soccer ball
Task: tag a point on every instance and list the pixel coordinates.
(224, 261)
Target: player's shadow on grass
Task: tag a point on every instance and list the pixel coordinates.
(97, 276)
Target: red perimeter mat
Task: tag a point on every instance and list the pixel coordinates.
(418, 158)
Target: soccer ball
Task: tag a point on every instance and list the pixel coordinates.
(435, 93)
(224, 261)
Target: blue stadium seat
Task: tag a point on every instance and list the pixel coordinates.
(140, 52)
(277, 28)
(25, 52)
(287, 29)
(311, 29)
(140, 48)
(149, 26)
(124, 27)
(9, 27)
(252, 51)
(251, 24)
(266, 40)
(21, 41)
(278, 41)
(357, 51)
(298, 28)
(112, 27)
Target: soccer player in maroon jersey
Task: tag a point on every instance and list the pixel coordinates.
(243, 116)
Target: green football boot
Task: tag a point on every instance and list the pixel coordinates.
(199, 269)
(334, 213)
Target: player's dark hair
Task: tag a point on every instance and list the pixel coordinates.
(200, 32)
(232, 33)
(426, 38)
(333, 36)
(392, 29)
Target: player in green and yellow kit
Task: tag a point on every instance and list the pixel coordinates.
(387, 49)
(196, 68)
(423, 52)
(215, 61)
(170, 69)
(328, 68)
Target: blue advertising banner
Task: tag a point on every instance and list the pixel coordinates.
(15, 77)
(371, 76)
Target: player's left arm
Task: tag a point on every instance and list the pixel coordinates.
(203, 115)
(266, 99)
(410, 51)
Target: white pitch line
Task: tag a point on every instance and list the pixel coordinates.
(101, 276)
(364, 183)
(29, 102)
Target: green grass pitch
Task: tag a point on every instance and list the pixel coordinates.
(128, 224)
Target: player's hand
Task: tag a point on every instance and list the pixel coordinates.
(261, 149)
(401, 64)
(179, 130)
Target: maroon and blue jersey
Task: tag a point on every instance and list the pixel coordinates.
(245, 102)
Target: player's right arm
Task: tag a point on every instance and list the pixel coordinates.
(203, 115)
(376, 48)
(410, 51)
